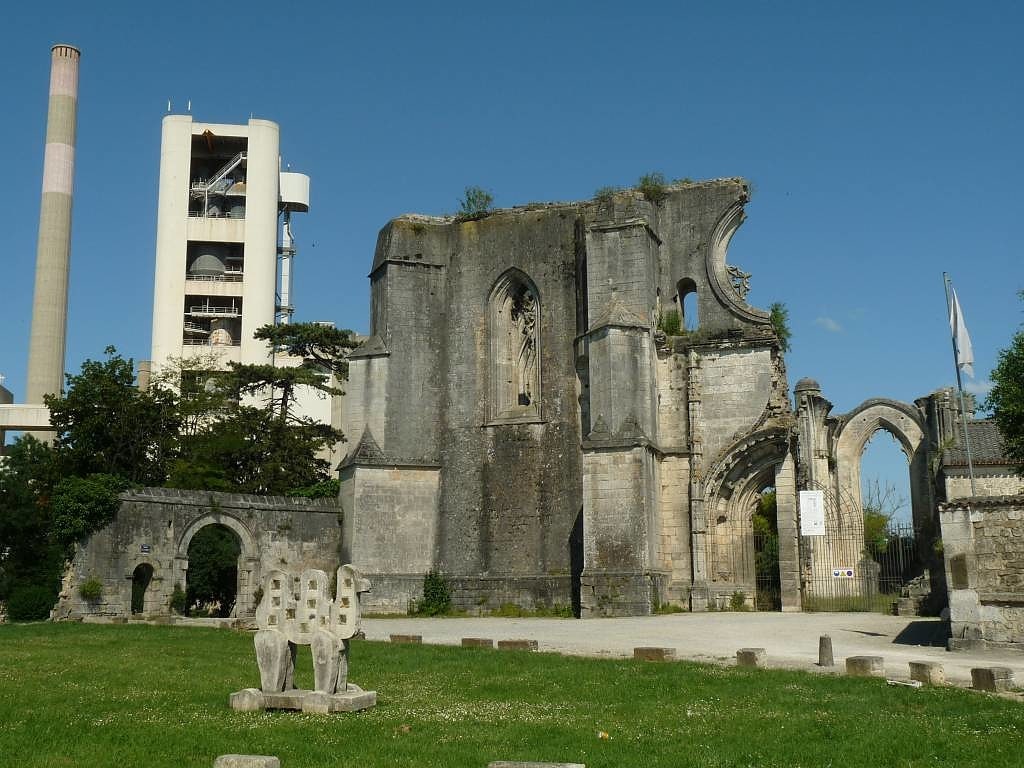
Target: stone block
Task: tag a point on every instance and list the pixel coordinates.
(648, 653)
(247, 761)
(407, 639)
(477, 642)
(247, 700)
(927, 672)
(993, 679)
(517, 645)
(751, 657)
(865, 666)
(825, 658)
(275, 657)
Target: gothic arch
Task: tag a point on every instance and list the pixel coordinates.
(514, 362)
(906, 425)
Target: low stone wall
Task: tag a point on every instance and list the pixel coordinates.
(398, 593)
(154, 527)
(983, 543)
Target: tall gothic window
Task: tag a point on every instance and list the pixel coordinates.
(515, 347)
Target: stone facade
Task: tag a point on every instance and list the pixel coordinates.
(154, 527)
(983, 541)
(520, 423)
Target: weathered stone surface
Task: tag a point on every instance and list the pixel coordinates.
(517, 645)
(927, 672)
(407, 639)
(477, 642)
(825, 657)
(647, 653)
(865, 666)
(275, 657)
(327, 653)
(993, 679)
(248, 700)
(247, 761)
(751, 657)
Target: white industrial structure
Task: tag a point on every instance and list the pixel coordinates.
(222, 195)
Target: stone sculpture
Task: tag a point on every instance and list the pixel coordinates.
(298, 611)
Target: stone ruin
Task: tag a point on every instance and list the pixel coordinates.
(298, 611)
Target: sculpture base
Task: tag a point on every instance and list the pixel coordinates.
(353, 699)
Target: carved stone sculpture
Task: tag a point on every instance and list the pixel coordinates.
(298, 611)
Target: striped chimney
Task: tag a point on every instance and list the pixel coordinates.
(50, 304)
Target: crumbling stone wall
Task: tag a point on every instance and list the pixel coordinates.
(154, 526)
(983, 546)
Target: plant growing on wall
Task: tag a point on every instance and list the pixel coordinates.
(653, 187)
(91, 589)
(779, 318)
(437, 595)
(670, 323)
(475, 203)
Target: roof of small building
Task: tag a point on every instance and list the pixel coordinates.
(806, 384)
(986, 445)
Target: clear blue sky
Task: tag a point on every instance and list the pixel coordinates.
(883, 140)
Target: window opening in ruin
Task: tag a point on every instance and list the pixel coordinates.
(687, 299)
(141, 578)
(515, 347)
(212, 578)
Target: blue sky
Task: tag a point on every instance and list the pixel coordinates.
(883, 141)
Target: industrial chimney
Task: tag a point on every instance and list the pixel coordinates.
(50, 304)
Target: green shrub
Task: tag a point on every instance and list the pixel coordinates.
(605, 195)
(437, 595)
(91, 589)
(179, 602)
(475, 204)
(779, 318)
(670, 323)
(738, 601)
(653, 187)
(30, 603)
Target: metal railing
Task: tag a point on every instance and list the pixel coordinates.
(211, 310)
(210, 215)
(190, 342)
(226, 277)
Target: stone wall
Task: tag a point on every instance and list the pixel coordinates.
(983, 543)
(154, 527)
(988, 481)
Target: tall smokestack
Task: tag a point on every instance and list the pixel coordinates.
(50, 305)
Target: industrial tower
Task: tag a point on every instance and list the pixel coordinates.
(221, 197)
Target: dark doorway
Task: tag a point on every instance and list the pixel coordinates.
(212, 583)
(576, 562)
(141, 577)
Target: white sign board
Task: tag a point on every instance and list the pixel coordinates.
(842, 573)
(812, 513)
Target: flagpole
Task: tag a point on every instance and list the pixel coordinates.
(959, 382)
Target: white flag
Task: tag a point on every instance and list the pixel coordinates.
(964, 352)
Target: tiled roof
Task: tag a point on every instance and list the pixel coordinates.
(986, 445)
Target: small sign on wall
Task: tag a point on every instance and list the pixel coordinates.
(145, 549)
(842, 573)
(812, 513)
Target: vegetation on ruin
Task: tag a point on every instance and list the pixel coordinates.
(1006, 400)
(88, 695)
(475, 203)
(653, 187)
(605, 195)
(778, 316)
(91, 589)
(670, 323)
(437, 596)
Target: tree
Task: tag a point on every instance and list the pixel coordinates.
(1006, 400)
(323, 345)
(213, 569)
(106, 425)
(779, 318)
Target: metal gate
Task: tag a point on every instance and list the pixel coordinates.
(768, 592)
(843, 572)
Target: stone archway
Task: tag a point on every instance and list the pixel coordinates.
(248, 559)
(906, 425)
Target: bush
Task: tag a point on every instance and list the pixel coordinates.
(670, 323)
(653, 187)
(179, 602)
(30, 603)
(91, 589)
(738, 601)
(779, 318)
(437, 595)
(475, 203)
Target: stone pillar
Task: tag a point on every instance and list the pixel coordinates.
(789, 534)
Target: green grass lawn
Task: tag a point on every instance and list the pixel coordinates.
(89, 695)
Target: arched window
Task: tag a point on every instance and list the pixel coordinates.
(687, 297)
(514, 317)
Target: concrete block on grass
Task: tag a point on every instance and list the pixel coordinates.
(992, 679)
(927, 672)
(407, 639)
(477, 642)
(247, 761)
(248, 700)
(865, 666)
(647, 653)
(751, 657)
(517, 645)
